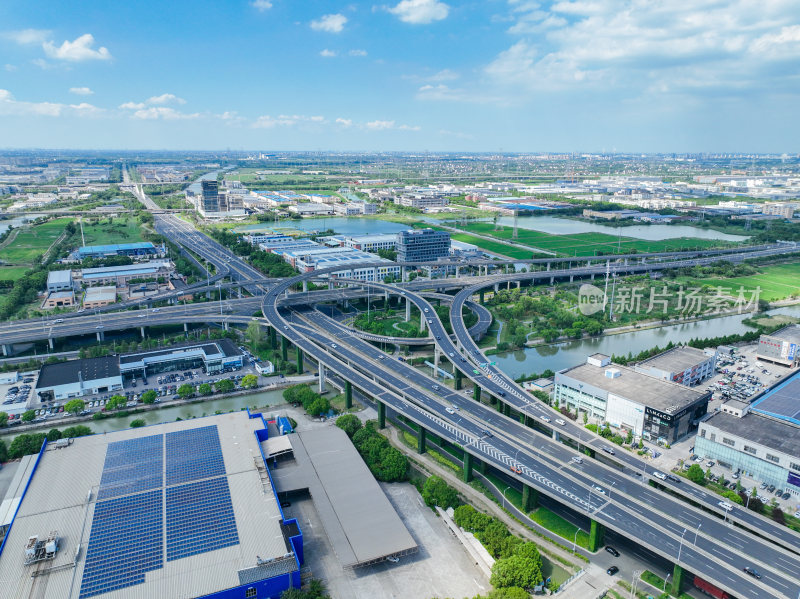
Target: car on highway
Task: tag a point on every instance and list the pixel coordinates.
(725, 506)
(427, 310)
(612, 551)
(576, 459)
(99, 326)
(561, 422)
(393, 558)
(58, 320)
(450, 410)
(451, 354)
(752, 572)
(607, 449)
(156, 309)
(141, 316)
(487, 432)
(546, 419)
(673, 478)
(515, 469)
(612, 570)
(660, 475)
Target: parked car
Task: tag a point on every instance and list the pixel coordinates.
(612, 551)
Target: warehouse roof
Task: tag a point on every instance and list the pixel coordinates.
(665, 396)
(101, 294)
(789, 333)
(72, 371)
(677, 359)
(59, 277)
(202, 523)
(359, 520)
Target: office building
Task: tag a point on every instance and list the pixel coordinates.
(97, 297)
(372, 243)
(780, 347)
(209, 198)
(654, 409)
(212, 356)
(422, 245)
(422, 201)
(683, 364)
(312, 209)
(180, 510)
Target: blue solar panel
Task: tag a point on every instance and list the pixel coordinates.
(126, 541)
(132, 466)
(199, 518)
(194, 454)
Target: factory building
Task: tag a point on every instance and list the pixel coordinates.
(683, 364)
(181, 510)
(137, 249)
(781, 346)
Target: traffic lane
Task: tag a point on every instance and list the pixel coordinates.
(596, 499)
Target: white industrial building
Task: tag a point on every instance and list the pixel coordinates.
(683, 364)
(372, 243)
(76, 378)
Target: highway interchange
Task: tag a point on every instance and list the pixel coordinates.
(702, 538)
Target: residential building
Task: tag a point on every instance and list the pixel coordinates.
(683, 364)
(781, 346)
(422, 245)
(654, 409)
(784, 209)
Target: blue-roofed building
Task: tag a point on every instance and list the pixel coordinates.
(181, 510)
(139, 248)
(122, 275)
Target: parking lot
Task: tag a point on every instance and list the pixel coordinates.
(17, 394)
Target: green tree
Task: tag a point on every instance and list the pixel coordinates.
(28, 415)
(349, 423)
(224, 386)
(695, 474)
(3, 451)
(138, 423)
(74, 406)
(148, 396)
(319, 406)
(249, 381)
(115, 402)
(733, 496)
(436, 491)
(205, 389)
(3, 419)
(186, 390)
(508, 593)
(79, 430)
(516, 571)
(26, 444)
(255, 334)
(53, 435)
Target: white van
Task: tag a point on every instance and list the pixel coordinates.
(660, 475)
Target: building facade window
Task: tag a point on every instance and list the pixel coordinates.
(750, 450)
(727, 441)
(251, 592)
(794, 466)
(773, 458)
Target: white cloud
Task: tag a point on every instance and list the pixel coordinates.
(327, 53)
(25, 37)
(444, 75)
(344, 122)
(132, 105)
(357, 52)
(79, 50)
(165, 99)
(389, 125)
(420, 12)
(81, 91)
(261, 5)
(330, 23)
(10, 106)
(10, 68)
(285, 120)
(162, 112)
(640, 47)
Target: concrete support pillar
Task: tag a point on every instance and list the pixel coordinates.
(284, 348)
(408, 309)
(523, 419)
(402, 273)
(141, 330)
(273, 341)
(496, 287)
(330, 284)
(225, 325)
(595, 536)
(437, 355)
(457, 378)
(49, 342)
(556, 436)
(100, 336)
(481, 295)
(381, 414)
(458, 271)
(185, 327)
(467, 467)
(322, 378)
(530, 498)
(592, 277)
(501, 406)
(548, 266)
(477, 394)
(348, 394)
(423, 324)
(507, 409)
(552, 280)
(305, 285)
(677, 580)
(6, 349)
(519, 284)
(570, 278)
(422, 445)
(375, 274)
(508, 285)
(299, 360)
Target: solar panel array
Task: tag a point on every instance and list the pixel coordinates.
(127, 535)
(131, 466)
(126, 542)
(782, 402)
(185, 463)
(199, 518)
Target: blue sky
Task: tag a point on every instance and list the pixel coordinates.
(491, 75)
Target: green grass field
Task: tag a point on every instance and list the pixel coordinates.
(588, 244)
(121, 230)
(12, 273)
(776, 282)
(32, 242)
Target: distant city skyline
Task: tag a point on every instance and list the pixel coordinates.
(406, 75)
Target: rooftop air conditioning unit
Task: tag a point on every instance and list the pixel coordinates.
(613, 373)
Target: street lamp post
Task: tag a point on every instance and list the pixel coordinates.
(665, 584)
(680, 548)
(575, 540)
(699, 524)
(504, 497)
